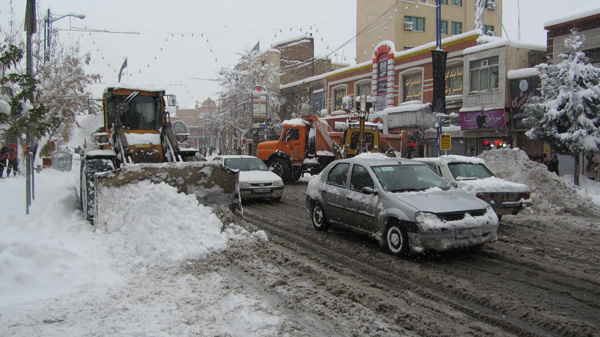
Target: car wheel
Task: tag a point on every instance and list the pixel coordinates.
(396, 239)
(318, 218)
(282, 168)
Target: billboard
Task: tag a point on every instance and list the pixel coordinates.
(489, 119)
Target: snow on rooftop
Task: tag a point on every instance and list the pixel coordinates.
(411, 106)
(522, 73)
(298, 39)
(579, 13)
(498, 43)
(295, 122)
(130, 86)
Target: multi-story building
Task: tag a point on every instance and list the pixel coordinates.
(411, 23)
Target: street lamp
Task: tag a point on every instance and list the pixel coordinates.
(48, 27)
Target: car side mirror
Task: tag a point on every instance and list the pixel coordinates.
(368, 190)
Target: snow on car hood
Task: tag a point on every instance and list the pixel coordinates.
(491, 184)
(437, 201)
(258, 176)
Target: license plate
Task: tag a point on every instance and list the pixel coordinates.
(262, 190)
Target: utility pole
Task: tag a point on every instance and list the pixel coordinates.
(30, 28)
(438, 61)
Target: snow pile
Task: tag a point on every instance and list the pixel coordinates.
(151, 224)
(51, 251)
(551, 194)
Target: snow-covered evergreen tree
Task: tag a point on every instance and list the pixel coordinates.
(567, 113)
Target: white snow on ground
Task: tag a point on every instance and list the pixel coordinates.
(60, 276)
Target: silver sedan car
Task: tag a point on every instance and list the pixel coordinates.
(402, 203)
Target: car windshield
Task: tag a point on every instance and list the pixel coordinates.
(404, 178)
(245, 164)
(469, 171)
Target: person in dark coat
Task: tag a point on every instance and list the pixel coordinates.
(3, 158)
(553, 164)
(13, 164)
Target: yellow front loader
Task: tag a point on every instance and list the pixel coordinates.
(137, 143)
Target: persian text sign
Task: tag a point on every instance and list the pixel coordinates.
(490, 119)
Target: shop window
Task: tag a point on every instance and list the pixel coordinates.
(338, 98)
(412, 87)
(484, 74)
(363, 89)
(454, 79)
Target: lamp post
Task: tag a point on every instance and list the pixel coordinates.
(48, 27)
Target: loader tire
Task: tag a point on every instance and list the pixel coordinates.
(89, 167)
(282, 168)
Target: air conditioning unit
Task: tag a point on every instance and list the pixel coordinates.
(490, 4)
(408, 26)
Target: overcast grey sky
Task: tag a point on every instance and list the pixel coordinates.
(181, 44)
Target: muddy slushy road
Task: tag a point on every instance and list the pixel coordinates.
(541, 278)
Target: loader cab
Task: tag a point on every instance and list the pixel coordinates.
(144, 111)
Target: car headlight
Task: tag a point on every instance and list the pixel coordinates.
(278, 183)
(244, 184)
(489, 209)
(425, 217)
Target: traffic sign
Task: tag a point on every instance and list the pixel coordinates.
(445, 141)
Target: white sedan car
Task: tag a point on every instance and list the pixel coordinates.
(256, 180)
(472, 175)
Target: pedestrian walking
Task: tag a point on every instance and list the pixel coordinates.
(13, 164)
(553, 164)
(3, 160)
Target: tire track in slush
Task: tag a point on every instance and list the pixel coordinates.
(374, 273)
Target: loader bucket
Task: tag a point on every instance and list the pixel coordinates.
(213, 184)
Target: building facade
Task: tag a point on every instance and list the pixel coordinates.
(410, 23)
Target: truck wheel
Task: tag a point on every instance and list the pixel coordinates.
(282, 168)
